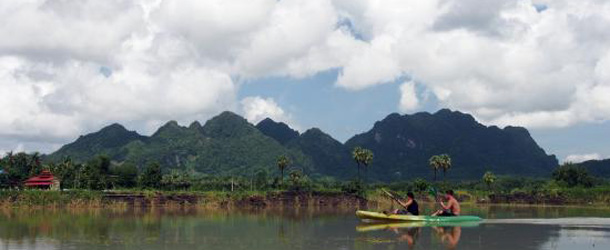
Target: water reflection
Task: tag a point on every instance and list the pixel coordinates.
(449, 236)
(178, 229)
(409, 235)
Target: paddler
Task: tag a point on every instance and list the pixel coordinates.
(410, 205)
(452, 208)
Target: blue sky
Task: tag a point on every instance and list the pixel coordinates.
(317, 102)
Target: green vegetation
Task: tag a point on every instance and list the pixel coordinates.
(570, 183)
(73, 198)
(571, 175)
(445, 164)
(362, 157)
(489, 178)
(225, 145)
(17, 168)
(282, 164)
(151, 177)
(437, 162)
(228, 154)
(402, 144)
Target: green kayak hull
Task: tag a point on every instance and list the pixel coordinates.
(376, 216)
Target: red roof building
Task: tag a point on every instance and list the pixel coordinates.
(45, 180)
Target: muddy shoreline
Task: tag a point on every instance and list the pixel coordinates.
(275, 199)
(270, 199)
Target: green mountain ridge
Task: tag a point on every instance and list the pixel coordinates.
(403, 144)
(599, 168)
(277, 130)
(109, 141)
(229, 145)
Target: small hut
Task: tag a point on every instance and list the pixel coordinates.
(45, 180)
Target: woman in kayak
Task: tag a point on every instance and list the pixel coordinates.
(451, 209)
(411, 205)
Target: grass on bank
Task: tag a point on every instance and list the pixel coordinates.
(528, 191)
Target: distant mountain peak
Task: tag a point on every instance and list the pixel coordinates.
(279, 131)
(168, 127)
(107, 140)
(114, 127)
(228, 115)
(314, 131)
(195, 126)
(227, 124)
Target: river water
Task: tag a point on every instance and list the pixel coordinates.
(177, 229)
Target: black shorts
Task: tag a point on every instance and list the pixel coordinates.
(447, 212)
(405, 212)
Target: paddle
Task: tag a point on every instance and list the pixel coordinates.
(433, 192)
(393, 197)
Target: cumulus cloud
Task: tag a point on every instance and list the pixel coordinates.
(89, 70)
(408, 97)
(577, 158)
(506, 62)
(71, 67)
(256, 109)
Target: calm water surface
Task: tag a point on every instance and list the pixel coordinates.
(176, 229)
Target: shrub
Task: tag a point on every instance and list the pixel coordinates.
(151, 176)
(571, 175)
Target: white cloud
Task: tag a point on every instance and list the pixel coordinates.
(53, 89)
(408, 97)
(256, 109)
(293, 30)
(577, 158)
(505, 62)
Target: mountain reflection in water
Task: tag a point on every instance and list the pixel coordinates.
(178, 229)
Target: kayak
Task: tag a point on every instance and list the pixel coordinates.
(367, 227)
(376, 216)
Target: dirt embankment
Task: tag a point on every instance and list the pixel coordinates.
(523, 198)
(276, 199)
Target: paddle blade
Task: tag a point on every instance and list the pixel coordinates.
(432, 191)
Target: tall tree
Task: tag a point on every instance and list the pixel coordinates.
(435, 163)
(18, 167)
(34, 163)
(366, 159)
(445, 161)
(151, 176)
(126, 175)
(282, 163)
(357, 156)
(65, 171)
(489, 178)
(572, 175)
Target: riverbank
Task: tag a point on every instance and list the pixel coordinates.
(266, 199)
(211, 199)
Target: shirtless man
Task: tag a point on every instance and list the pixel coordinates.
(452, 208)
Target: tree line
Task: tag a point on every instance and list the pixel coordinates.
(100, 173)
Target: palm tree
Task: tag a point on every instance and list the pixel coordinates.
(34, 164)
(489, 178)
(435, 163)
(282, 163)
(367, 158)
(357, 155)
(445, 164)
